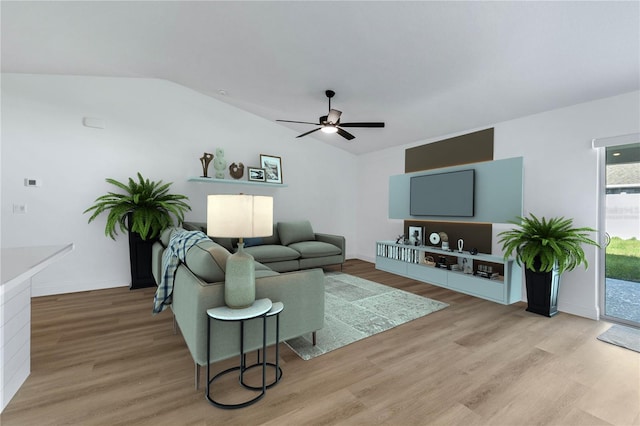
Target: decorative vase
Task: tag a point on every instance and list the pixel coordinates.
(219, 163)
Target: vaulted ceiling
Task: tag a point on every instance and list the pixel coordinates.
(425, 68)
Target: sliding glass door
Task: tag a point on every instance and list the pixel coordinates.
(621, 290)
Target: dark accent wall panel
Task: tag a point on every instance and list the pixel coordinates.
(470, 148)
(475, 235)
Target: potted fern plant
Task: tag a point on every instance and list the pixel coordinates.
(546, 248)
(143, 210)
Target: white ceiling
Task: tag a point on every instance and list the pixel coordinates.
(425, 68)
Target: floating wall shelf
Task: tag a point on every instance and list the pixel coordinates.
(234, 182)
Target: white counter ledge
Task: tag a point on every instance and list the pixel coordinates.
(17, 266)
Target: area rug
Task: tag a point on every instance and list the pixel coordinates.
(356, 308)
(620, 335)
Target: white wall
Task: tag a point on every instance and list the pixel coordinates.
(560, 179)
(161, 130)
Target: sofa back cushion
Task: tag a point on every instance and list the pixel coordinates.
(294, 232)
(273, 238)
(228, 243)
(208, 261)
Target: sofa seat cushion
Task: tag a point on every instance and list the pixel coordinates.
(272, 253)
(309, 249)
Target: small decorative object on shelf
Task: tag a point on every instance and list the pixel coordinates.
(205, 160)
(466, 267)
(273, 168)
(236, 170)
(473, 251)
(460, 245)
(445, 240)
(429, 261)
(219, 163)
(256, 174)
(400, 239)
(415, 235)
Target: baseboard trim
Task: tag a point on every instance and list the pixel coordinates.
(579, 310)
(50, 289)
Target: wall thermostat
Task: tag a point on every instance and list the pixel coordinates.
(32, 182)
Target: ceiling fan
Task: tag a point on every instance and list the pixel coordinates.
(330, 123)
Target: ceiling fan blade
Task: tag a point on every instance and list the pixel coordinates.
(362, 124)
(301, 122)
(311, 131)
(348, 136)
(334, 116)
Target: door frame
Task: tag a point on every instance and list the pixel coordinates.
(600, 145)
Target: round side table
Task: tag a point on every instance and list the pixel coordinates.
(275, 310)
(259, 309)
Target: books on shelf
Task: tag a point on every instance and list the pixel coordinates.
(406, 254)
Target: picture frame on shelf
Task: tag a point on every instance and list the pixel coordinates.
(272, 166)
(416, 235)
(256, 174)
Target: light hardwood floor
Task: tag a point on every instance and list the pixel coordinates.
(101, 358)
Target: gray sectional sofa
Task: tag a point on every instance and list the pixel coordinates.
(199, 285)
(293, 246)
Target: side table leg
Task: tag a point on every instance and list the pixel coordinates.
(264, 354)
(208, 355)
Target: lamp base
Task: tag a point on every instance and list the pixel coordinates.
(240, 280)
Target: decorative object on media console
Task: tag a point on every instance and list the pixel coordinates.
(239, 216)
(445, 240)
(473, 251)
(467, 267)
(236, 170)
(415, 235)
(219, 163)
(272, 166)
(546, 248)
(144, 210)
(330, 123)
(460, 245)
(205, 160)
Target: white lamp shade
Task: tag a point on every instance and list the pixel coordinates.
(239, 216)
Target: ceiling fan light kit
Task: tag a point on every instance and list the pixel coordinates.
(330, 123)
(329, 129)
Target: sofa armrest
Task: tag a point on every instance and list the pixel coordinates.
(336, 240)
(301, 292)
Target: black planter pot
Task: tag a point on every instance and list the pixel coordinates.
(140, 259)
(542, 291)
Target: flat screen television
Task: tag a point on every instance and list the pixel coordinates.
(443, 194)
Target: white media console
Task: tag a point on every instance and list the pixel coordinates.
(492, 277)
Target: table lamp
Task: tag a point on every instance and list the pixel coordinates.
(239, 216)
